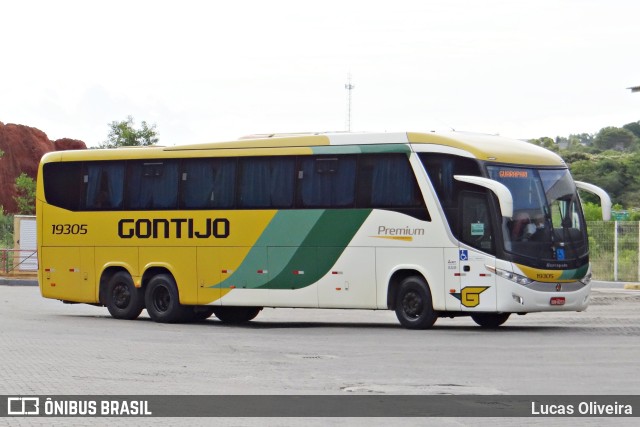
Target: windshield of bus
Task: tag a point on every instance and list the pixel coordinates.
(547, 221)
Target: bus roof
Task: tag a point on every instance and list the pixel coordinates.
(480, 146)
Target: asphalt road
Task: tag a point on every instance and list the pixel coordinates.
(47, 347)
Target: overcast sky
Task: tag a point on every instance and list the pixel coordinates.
(216, 70)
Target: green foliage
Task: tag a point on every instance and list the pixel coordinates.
(6, 229)
(609, 159)
(545, 142)
(592, 211)
(575, 156)
(634, 128)
(124, 134)
(613, 138)
(26, 198)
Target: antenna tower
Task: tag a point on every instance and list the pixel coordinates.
(349, 87)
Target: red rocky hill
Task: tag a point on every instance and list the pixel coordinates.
(23, 146)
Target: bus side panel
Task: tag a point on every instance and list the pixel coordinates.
(289, 271)
(452, 278)
(274, 276)
(427, 261)
(181, 262)
(351, 282)
(215, 265)
(69, 274)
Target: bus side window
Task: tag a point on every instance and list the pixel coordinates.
(266, 182)
(104, 183)
(208, 183)
(63, 184)
(327, 182)
(387, 181)
(441, 168)
(152, 184)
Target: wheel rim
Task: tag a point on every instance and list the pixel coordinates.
(161, 299)
(412, 304)
(121, 295)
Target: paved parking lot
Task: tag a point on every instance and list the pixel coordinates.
(50, 348)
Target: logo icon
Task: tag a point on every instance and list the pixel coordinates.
(23, 406)
(464, 255)
(470, 296)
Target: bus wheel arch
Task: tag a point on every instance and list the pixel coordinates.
(394, 284)
(119, 294)
(410, 296)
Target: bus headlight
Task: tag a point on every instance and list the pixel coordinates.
(586, 279)
(509, 275)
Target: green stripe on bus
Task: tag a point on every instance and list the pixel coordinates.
(296, 249)
(385, 148)
(287, 229)
(366, 149)
(320, 250)
(575, 274)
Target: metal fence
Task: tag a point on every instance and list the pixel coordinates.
(614, 249)
(16, 262)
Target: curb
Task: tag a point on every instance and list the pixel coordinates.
(634, 286)
(4, 281)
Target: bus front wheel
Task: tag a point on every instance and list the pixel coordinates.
(490, 320)
(122, 298)
(162, 300)
(414, 308)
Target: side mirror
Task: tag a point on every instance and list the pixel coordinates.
(500, 190)
(605, 200)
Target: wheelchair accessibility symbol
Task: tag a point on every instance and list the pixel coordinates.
(464, 255)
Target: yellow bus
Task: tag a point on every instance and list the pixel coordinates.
(429, 225)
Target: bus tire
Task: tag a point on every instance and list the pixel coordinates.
(122, 298)
(414, 307)
(236, 315)
(162, 300)
(490, 320)
(202, 313)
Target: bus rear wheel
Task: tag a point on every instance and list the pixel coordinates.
(122, 298)
(414, 307)
(162, 300)
(236, 315)
(490, 320)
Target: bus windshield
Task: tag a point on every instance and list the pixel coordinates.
(547, 221)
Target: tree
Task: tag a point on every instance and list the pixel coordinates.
(614, 138)
(545, 142)
(26, 194)
(6, 229)
(583, 138)
(633, 127)
(123, 134)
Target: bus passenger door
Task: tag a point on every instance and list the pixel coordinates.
(477, 283)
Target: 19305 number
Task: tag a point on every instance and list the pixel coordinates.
(69, 228)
